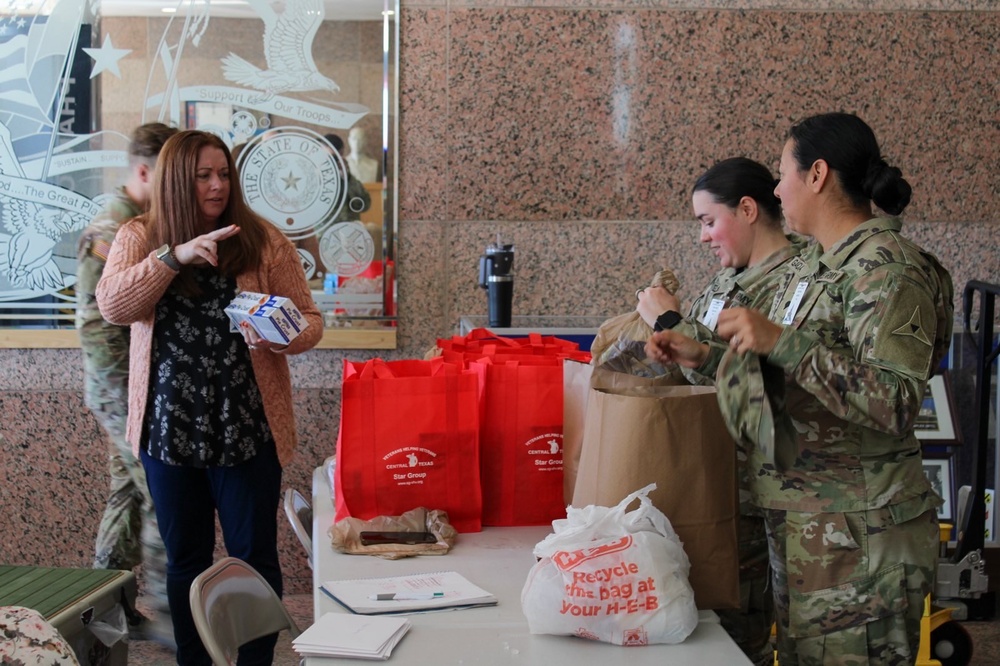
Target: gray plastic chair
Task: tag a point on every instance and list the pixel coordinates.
(300, 515)
(232, 605)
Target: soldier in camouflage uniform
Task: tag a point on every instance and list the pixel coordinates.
(741, 220)
(864, 318)
(128, 533)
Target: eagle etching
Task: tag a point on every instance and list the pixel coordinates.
(26, 254)
(288, 38)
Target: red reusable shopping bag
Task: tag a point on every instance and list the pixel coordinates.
(409, 437)
(481, 340)
(521, 440)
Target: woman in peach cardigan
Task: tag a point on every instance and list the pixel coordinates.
(210, 410)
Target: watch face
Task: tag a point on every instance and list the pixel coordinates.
(162, 251)
(669, 319)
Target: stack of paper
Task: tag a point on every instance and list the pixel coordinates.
(354, 636)
(408, 594)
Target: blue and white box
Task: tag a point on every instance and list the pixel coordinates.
(275, 318)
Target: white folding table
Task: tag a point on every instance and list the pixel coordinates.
(498, 560)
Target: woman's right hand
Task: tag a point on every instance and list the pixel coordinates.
(672, 347)
(204, 249)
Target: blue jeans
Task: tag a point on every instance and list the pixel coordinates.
(186, 499)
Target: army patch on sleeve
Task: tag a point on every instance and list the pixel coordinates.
(905, 333)
(100, 249)
(914, 328)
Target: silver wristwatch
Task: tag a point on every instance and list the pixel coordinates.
(167, 256)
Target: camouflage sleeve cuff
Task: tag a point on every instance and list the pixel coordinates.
(716, 350)
(791, 348)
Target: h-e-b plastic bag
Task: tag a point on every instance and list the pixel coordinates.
(612, 575)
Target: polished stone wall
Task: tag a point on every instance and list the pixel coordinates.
(575, 128)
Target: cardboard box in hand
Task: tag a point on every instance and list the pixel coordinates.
(275, 318)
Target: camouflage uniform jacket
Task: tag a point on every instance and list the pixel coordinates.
(752, 287)
(865, 324)
(104, 345)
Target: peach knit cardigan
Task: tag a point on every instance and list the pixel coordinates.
(133, 282)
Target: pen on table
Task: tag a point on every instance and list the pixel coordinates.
(406, 596)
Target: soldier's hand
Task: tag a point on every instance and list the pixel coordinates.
(673, 347)
(654, 301)
(748, 331)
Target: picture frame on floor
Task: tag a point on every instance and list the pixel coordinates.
(940, 474)
(936, 422)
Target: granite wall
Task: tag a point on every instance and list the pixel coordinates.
(575, 128)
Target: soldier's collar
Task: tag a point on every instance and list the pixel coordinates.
(842, 250)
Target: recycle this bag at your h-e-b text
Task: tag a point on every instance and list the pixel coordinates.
(673, 436)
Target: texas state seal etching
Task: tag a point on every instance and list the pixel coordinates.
(292, 178)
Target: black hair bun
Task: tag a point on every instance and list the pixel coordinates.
(887, 187)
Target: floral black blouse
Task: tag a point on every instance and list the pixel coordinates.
(204, 407)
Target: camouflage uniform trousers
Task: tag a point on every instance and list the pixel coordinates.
(750, 624)
(128, 534)
(849, 588)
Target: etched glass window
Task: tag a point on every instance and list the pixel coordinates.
(304, 93)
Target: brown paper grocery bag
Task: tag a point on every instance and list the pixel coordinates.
(673, 436)
(578, 379)
(576, 386)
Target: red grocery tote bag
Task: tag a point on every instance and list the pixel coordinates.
(409, 437)
(483, 341)
(521, 439)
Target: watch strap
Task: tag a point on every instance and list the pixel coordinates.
(667, 320)
(167, 256)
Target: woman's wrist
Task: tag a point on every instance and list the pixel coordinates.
(667, 320)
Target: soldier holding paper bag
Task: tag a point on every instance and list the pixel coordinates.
(740, 220)
(825, 391)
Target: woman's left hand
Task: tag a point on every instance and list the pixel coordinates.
(748, 331)
(254, 341)
(654, 301)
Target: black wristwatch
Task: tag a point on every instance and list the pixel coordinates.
(668, 319)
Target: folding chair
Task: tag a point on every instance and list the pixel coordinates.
(232, 605)
(300, 516)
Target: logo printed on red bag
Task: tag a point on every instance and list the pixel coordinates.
(568, 560)
(409, 464)
(545, 448)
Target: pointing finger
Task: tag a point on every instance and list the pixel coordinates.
(224, 232)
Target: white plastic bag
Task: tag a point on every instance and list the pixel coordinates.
(612, 575)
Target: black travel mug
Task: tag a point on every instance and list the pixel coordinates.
(497, 278)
